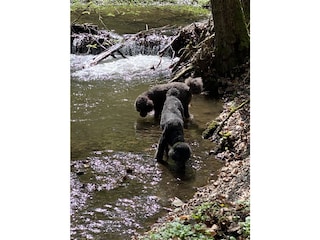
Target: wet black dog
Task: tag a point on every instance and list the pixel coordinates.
(154, 98)
(172, 135)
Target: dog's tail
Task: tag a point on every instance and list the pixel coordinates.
(195, 84)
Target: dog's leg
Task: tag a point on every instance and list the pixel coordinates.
(167, 151)
(161, 147)
(157, 111)
(185, 110)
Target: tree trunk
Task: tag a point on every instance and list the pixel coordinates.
(232, 42)
(246, 10)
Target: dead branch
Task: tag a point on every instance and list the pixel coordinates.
(233, 110)
(161, 52)
(184, 70)
(106, 53)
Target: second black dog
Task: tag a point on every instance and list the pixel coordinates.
(172, 136)
(154, 98)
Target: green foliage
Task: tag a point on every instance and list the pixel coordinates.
(91, 46)
(178, 229)
(246, 226)
(211, 127)
(144, 2)
(116, 9)
(219, 219)
(203, 2)
(200, 213)
(226, 135)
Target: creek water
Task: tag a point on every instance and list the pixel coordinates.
(117, 188)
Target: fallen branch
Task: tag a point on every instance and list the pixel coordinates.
(183, 71)
(161, 52)
(219, 127)
(106, 53)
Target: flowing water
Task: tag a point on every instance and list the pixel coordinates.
(117, 188)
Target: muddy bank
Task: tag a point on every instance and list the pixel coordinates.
(221, 209)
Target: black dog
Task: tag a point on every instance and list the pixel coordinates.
(172, 136)
(154, 98)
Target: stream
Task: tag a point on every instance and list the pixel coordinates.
(117, 188)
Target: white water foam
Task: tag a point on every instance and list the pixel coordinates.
(130, 68)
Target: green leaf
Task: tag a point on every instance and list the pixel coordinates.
(86, 12)
(91, 46)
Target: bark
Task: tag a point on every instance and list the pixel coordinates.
(246, 10)
(232, 43)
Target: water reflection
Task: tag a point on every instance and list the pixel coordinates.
(116, 194)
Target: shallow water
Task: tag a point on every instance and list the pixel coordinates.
(117, 189)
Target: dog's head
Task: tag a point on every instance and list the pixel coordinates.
(195, 84)
(180, 153)
(173, 92)
(143, 105)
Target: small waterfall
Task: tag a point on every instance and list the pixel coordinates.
(138, 58)
(139, 66)
(86, 39)
(147, 45)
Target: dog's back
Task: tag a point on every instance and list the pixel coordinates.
(172, 135)
(154, 98)
(172, 108)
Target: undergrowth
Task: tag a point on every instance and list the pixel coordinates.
(211, 220)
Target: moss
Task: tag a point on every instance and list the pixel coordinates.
(212, 126)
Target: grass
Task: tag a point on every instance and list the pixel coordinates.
(115, 16)
(116, 9)
(145, 2)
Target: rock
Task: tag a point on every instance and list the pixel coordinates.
(177, 202)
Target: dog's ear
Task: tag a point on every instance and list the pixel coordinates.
(143, 103)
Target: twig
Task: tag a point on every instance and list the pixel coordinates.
(183, 71)
(106, 53)
(218, 129)
(161, 52)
